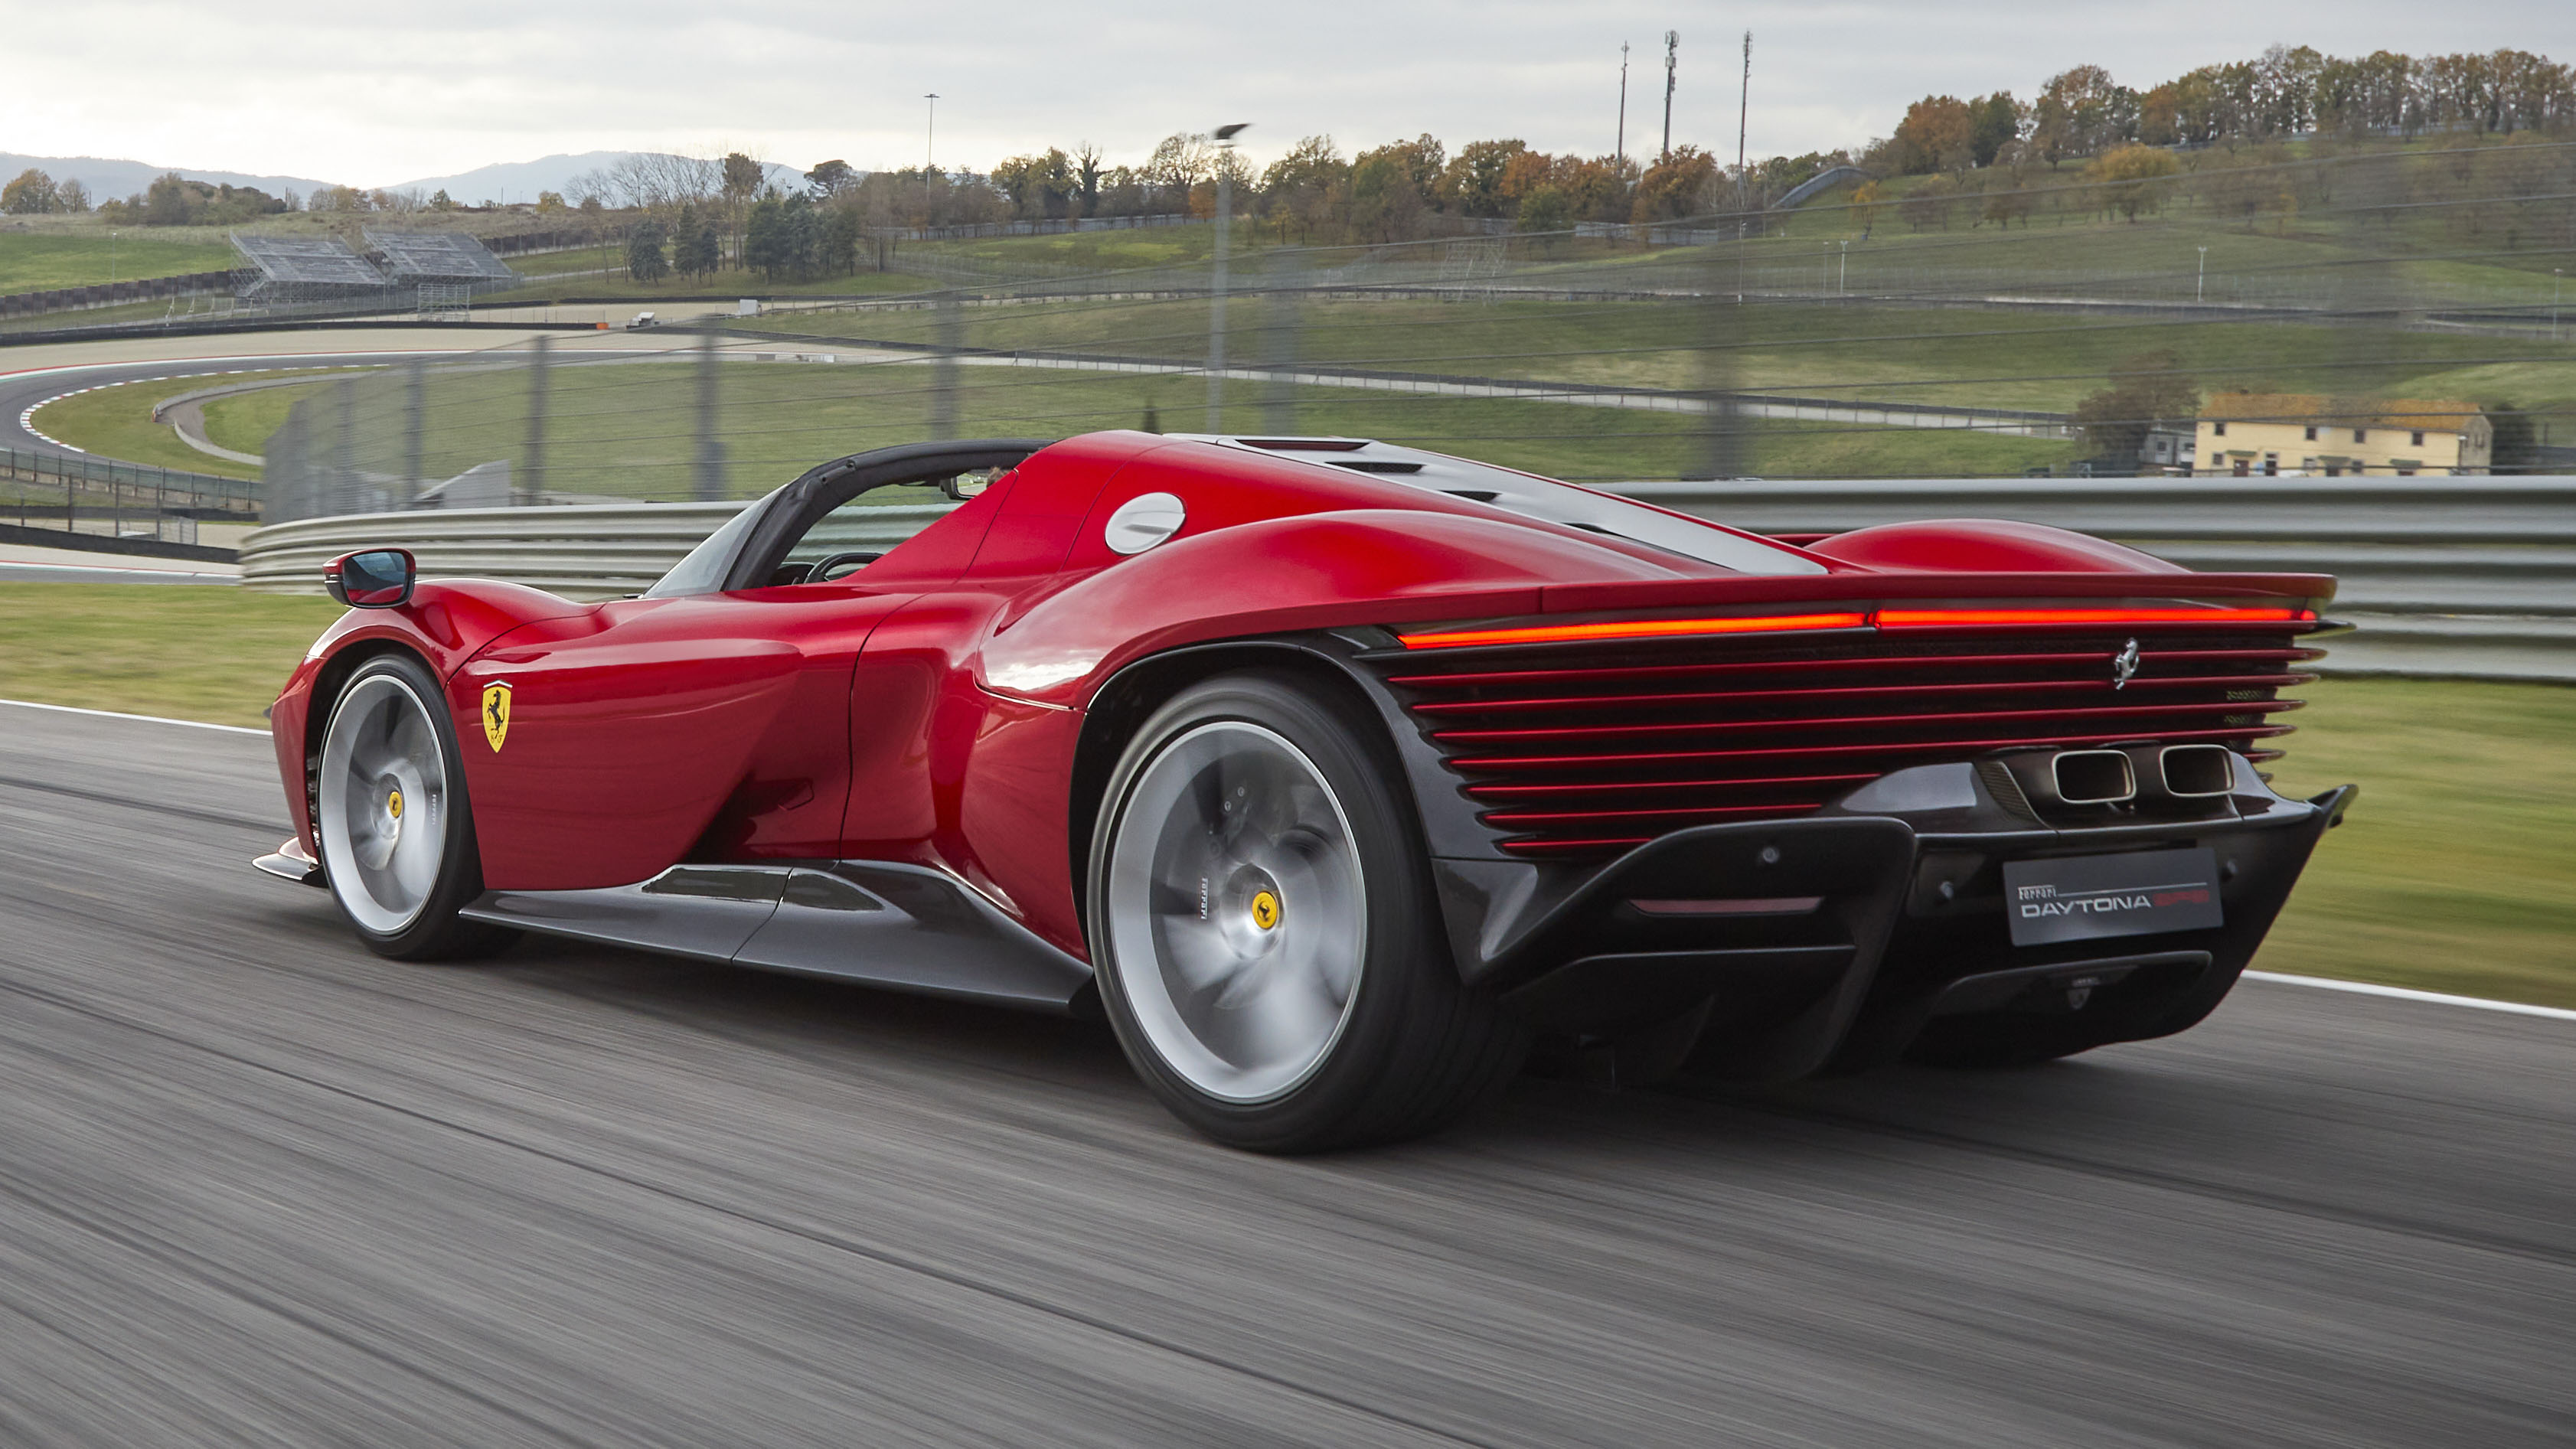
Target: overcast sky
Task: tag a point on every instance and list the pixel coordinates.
(378, 94)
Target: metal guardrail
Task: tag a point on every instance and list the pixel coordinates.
(581, 551)
(2469, 577)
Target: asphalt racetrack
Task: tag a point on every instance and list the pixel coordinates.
(260, 1187)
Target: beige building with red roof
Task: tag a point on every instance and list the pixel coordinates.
(2248, 434)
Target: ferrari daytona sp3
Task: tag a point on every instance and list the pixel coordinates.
(1339, 777)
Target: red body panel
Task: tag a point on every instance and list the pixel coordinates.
(926, 710)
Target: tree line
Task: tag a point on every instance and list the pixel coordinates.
(2288, 91)
(171, 200)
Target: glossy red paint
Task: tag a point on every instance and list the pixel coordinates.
(1985, 545)
(926, 709)
(445, 622)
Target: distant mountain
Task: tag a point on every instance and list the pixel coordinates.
(106, 178)
(522, 180)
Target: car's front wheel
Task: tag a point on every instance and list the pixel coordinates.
(396, 833)
(1263, 924)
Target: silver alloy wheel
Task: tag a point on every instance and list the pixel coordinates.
(1236, 914)
(383, 818)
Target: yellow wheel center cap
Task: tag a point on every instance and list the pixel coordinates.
(393, 804)
(1265, 910)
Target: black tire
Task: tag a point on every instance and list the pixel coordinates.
(1412, 1048)
(392, 704)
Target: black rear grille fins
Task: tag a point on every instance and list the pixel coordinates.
(1588, 748)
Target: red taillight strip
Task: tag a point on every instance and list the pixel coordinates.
(1633, 629)
(1481, 678)
(1987, 618)
(1881, 618)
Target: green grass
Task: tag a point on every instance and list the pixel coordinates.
(1967, 357)
(116, 422)
(243, 422)
(2454, 870)
(2450, 874)
(214, 654)
(47, 261)
(625, 430)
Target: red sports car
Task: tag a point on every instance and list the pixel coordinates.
(1341, 776)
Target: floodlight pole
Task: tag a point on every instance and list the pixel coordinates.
(930, 135)
(1216, 274)
(2200, 287)
(1619, 152)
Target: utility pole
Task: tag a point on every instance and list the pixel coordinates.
(930, 135)
(1216, 275)
(1672, 47)
(1619, 152)
(1743, 103)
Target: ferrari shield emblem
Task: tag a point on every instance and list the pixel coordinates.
(496, 714)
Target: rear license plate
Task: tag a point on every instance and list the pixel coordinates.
(2078, 898)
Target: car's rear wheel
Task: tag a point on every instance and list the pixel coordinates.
(396, 833)
(1264, 927)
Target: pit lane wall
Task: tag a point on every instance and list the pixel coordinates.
(2457, 577)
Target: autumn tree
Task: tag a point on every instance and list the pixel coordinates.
(2145, 389)
(1394, 186)
(1937, 134)
(2131, 179)
(1683, 183)
(1867, 202)
(1472, 183)
(32, 194)
(2082, 112)
(1308, 184)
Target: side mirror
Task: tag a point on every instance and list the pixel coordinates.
(376, 578)
(962, 486)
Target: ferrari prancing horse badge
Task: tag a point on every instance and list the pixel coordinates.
(496, 714)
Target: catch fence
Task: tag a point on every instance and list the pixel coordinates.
(99, 497)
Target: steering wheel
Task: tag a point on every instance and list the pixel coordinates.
(852, 559)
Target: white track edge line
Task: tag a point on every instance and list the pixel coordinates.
(194, 724)
(2401, 993)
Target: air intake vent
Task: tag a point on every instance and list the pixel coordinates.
(1581, 751)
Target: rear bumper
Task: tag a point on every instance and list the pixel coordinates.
(1834, 941)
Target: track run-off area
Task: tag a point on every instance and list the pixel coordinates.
(258, 1186)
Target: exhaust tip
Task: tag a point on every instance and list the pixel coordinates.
(2093, 777)
(2197, 770)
